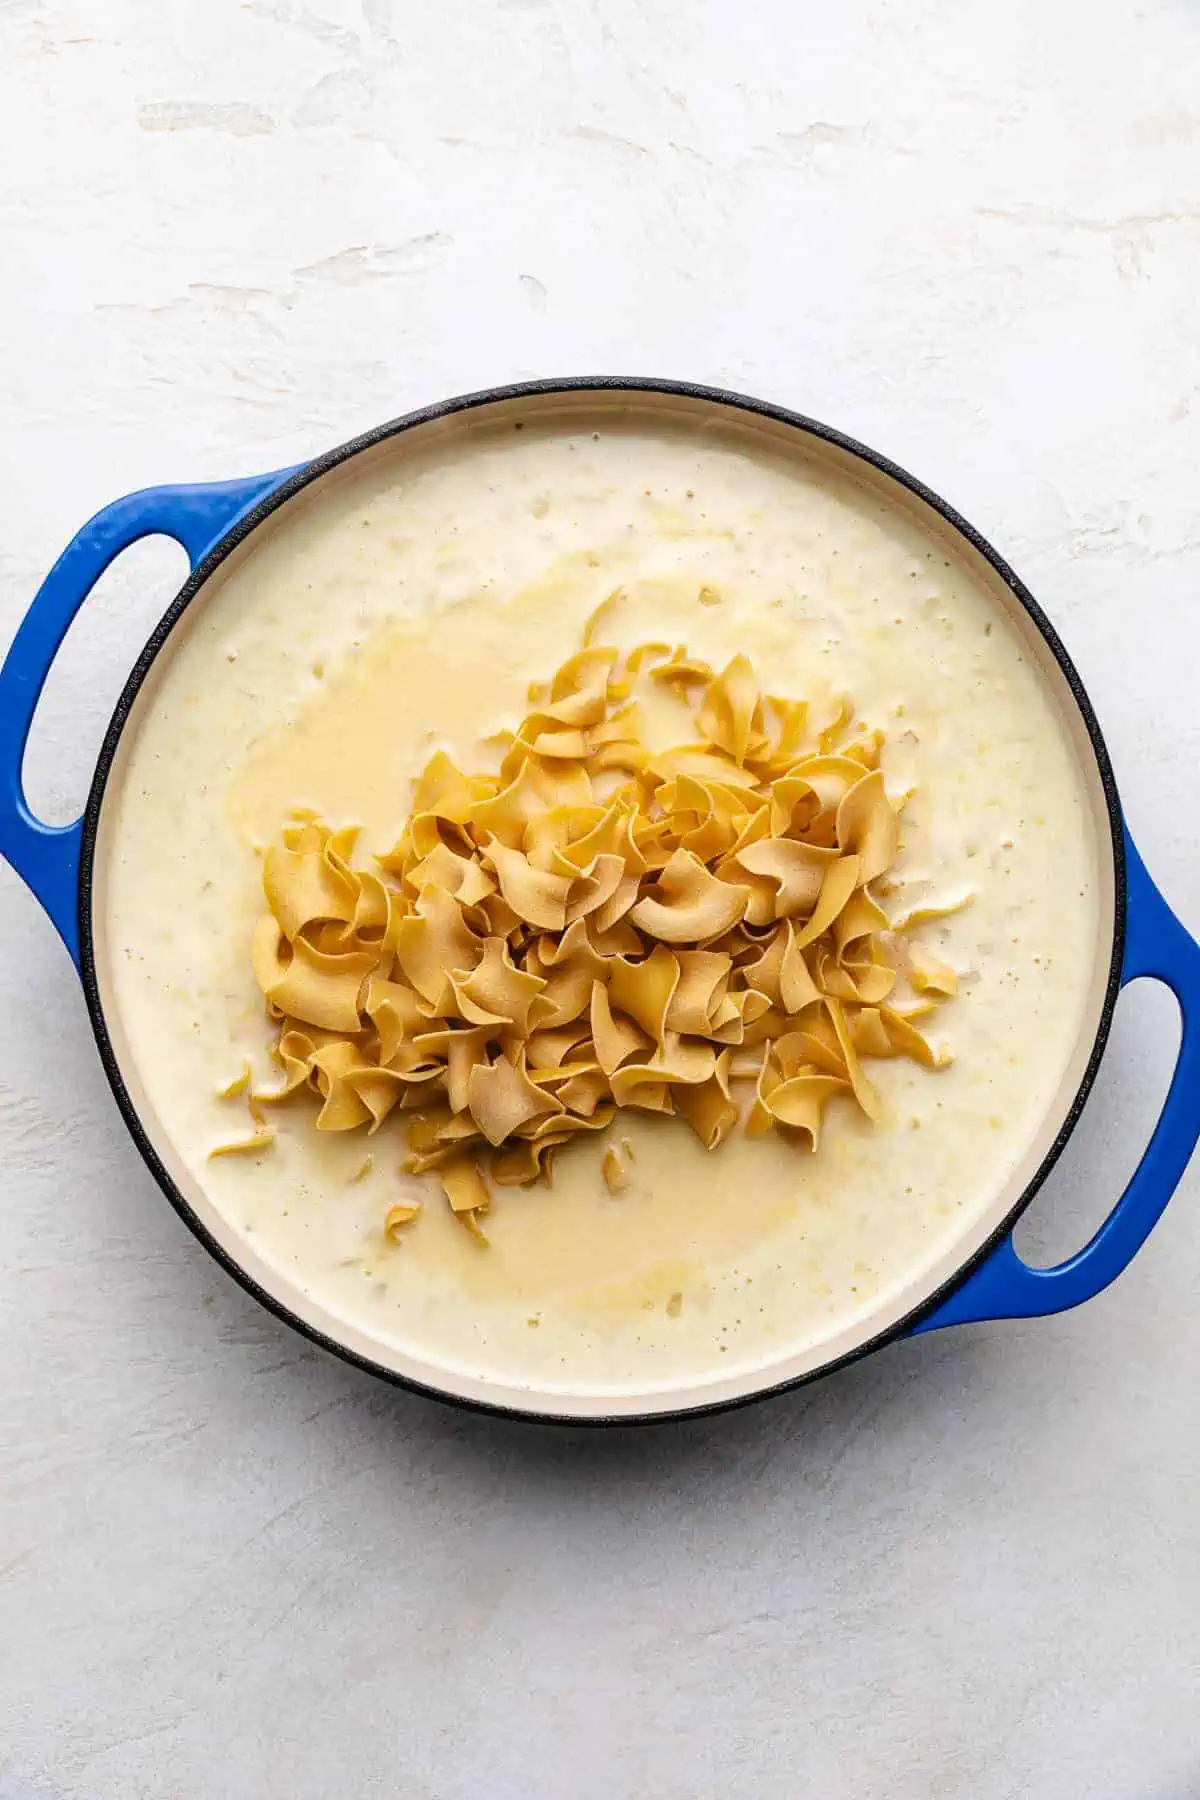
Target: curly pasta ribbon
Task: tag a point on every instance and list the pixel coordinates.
(600, 925)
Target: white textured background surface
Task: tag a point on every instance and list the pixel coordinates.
(232, 234)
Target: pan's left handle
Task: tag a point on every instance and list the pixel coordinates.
(47, 856)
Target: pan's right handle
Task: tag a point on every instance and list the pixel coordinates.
(47, 856)
(1004, 1287)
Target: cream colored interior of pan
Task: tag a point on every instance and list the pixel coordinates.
(404, 602)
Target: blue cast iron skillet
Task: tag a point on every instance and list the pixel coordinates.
(209, 520)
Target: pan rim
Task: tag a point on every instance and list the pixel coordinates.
(310, 472)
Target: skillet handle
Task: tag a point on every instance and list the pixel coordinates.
(47, 856)
(1003, 1287)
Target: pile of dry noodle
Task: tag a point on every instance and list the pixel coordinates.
(600, 925)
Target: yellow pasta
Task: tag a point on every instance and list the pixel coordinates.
(398, 1217)
(616, 1177)
(600, 925)
(248, 1146)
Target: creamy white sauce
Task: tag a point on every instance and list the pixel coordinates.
(406, 604)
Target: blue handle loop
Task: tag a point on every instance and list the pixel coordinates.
(47, 856)
(1004, 1287)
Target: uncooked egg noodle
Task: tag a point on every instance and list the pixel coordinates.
(599, 925)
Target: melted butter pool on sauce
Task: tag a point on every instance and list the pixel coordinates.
(407, 609)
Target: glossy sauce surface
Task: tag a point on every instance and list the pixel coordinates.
(406, 605)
